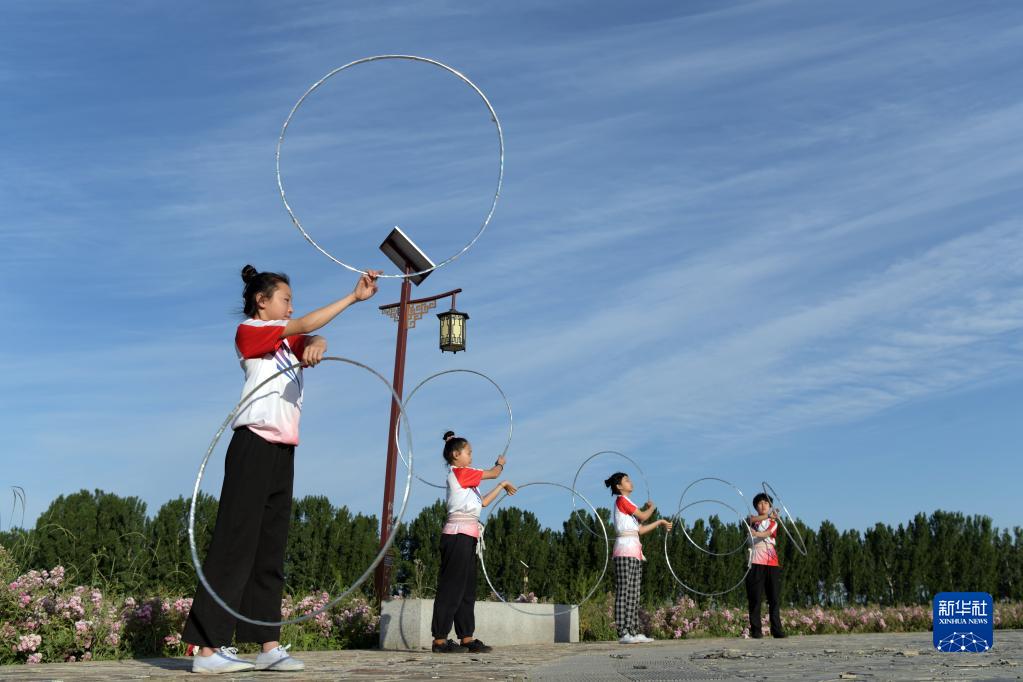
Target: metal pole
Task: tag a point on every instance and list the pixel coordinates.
(382, 579)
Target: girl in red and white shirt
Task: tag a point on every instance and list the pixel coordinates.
(765, 572)
(245, 563)
(456, 588)
(629, 522)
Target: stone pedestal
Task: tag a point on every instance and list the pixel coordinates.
(405, 624)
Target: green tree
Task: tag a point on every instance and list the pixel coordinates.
(310, 563)
(880, 549)
(853, 567)
(975, 567)
(946, 542)
(107, 541)
(328, 548)
(516, 548)
(418, 552)
(172, 569)
(830, 589)
(800, 582)
(1009, 563)
(575, 559)
(914, 543)
(100, 537)
(357, 541)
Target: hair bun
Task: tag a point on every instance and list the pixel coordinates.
(609, 481)
(448, 435)
(248, 273)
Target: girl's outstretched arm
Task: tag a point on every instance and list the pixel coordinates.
(644, 529)
(643, 514)
(492, 495)
(494, 471)
(310, 322)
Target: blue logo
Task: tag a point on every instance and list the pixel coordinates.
(964, 621)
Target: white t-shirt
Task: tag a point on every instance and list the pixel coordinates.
(464, 501)
(273, 412)
(627, 527)
(764, 550)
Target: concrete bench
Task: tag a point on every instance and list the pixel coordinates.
(405, 624)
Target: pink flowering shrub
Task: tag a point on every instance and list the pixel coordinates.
(352, 624)
(687, 619)
(45, 619)
(151, 627)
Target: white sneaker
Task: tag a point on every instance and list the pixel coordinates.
(642, 639)
(628, 639)
(222, 660)
(278, 659)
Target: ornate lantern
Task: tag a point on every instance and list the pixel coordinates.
(452, 330)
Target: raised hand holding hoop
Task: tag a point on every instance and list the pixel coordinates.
(511, 420)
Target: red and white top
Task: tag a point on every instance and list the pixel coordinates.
(627, 529)
(273, 412)
(464, 501)
(764, 551)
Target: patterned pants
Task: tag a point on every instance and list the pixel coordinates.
(628, 578)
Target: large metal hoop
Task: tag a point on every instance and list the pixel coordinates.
(671, 569)
(380, 555)
(682, 498)
(794, 533)
(483, 563)
(511, 420)
(364, 60)
(586, 461)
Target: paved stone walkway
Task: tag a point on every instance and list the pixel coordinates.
(820, 657)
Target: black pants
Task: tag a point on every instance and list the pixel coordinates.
(245, 563)
(456, 588)
(759, 578)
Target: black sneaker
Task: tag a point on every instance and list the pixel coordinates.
(478, 647)
(449, 647)
(780, 635)
(754, 635)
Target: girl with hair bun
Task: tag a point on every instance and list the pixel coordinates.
(456, 586)
(630, 523)
(245, 563)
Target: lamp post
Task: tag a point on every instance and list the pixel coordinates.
(409, 258)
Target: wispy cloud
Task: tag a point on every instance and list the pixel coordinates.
(717, 227)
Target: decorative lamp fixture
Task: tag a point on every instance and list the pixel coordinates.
(452, 329)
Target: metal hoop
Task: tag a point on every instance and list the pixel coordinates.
(800, 545)
(603, 570)
(500, 172)
(511, 422)
(202, 469)
(671, 569)
(586, 461)
(686, 533)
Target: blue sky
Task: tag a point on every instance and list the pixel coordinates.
(752, 241)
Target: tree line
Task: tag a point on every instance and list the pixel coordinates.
(109, 541)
